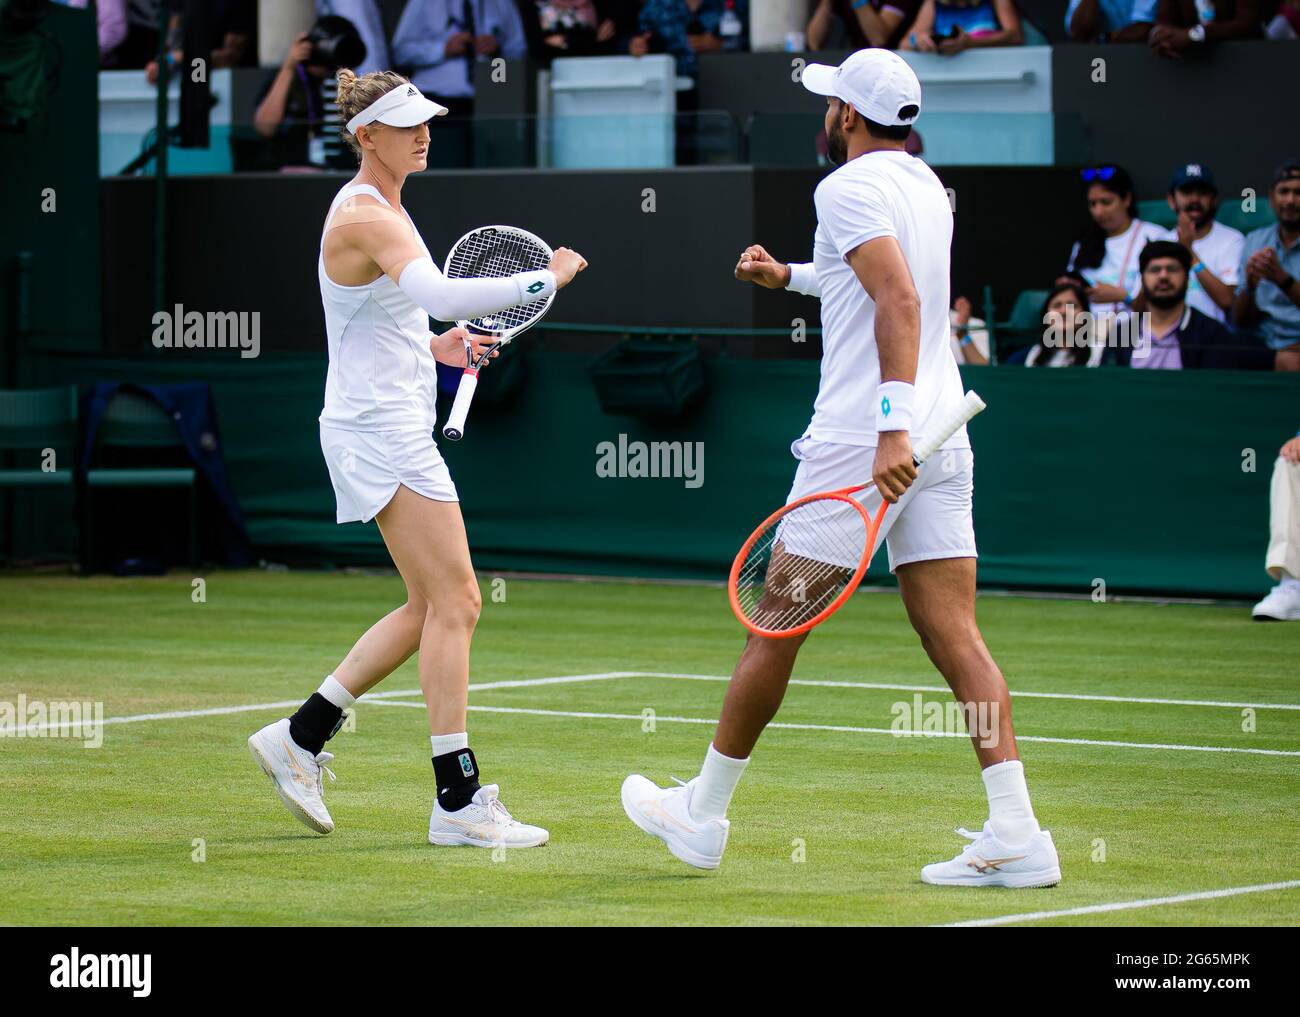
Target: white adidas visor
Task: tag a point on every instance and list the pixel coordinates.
(878, 83)
(403, 106)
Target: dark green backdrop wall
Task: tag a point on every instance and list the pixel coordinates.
(1135, 478)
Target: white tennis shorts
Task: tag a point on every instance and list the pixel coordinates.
(367, 467)
(932, 520)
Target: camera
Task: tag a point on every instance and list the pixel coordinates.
(335, 42)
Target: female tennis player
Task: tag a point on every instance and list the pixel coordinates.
(379, 287)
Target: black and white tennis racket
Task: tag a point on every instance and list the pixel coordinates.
(493, 252)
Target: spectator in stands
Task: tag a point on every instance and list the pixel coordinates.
(1285, 24)
(1106, 256)
(291, 108)
(440, 41)
(582, 27)
(858, 24)
(231, 27)
(110, 24)
(1268, 297)
(1184, 24)
(1110, 20)
(1283, 557)
(1068, 338)
(970, 336)
(950, 26)
(1215, 248)
(686, 28)
(1173, 334)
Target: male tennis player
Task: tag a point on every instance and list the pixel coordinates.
(880, 267)
(379, 287)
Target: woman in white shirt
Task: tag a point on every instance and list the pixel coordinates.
(1106, 256)
(379, 288)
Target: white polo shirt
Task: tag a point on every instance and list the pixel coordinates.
(1220, 250)
(881, 194)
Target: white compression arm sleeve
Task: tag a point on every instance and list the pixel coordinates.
(460, 299)
(803, 279)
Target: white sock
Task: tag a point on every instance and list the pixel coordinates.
(1010, 813)
(442, 744)
(1289, 582)
(717, 783)
(330, 689)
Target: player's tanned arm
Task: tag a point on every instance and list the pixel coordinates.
(881, 268)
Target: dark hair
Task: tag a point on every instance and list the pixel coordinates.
(886, 131)
(1092, 245)
(1078, 354)
(1164, 249)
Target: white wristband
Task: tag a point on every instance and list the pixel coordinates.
(894, 406)
(803, 279)
(535, 285)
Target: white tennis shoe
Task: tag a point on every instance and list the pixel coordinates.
(484, 822)
(297, 774)
(1281, 604)
(665, 812)
(986, 861)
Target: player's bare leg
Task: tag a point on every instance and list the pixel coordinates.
(1011, 850)
(384, 647)
(427, 541)
(940, 600)
(755, 693)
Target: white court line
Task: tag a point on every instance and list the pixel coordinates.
(607, 675)
(860, 730)
(611, 675)
(284, 704)
(1128, 905)
(1014, 694)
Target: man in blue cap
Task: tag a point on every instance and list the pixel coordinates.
(1215, 248)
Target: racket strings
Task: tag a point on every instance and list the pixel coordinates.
(800, 564)
(494, 253)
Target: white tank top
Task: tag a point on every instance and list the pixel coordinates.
(382, 375)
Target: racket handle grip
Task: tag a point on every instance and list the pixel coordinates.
(454, 428)
(947, 427)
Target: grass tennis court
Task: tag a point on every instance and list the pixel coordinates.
(107, 835)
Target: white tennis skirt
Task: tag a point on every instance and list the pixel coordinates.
(367, 467)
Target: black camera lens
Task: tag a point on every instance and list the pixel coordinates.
(335, 42)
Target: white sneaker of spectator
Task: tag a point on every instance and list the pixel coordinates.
(1282, 603)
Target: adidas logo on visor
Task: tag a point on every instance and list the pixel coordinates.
(410, 91)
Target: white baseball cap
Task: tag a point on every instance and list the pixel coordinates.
(878, 83)
(403, 106)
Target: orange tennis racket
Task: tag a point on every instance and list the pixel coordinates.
(806, 559)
